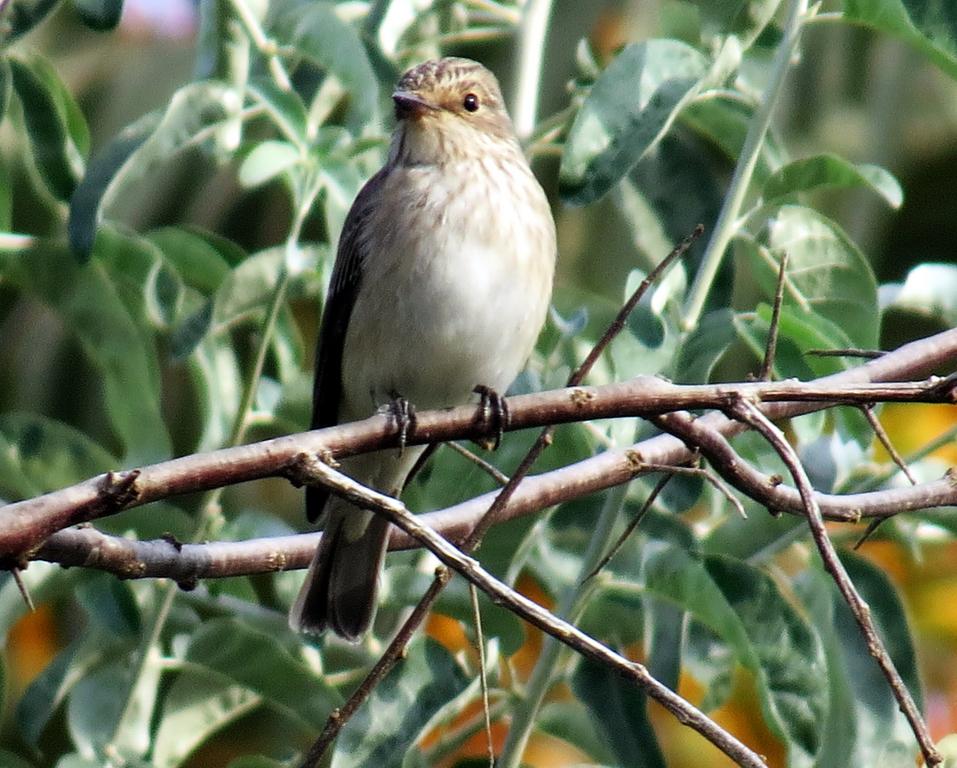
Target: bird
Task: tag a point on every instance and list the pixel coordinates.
(441, 284)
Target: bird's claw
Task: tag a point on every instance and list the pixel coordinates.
(404, 414)
(493, 413)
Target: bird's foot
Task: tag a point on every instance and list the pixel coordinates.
(493, 413)
(404, 414)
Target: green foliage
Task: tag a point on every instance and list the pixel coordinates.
(141, 278)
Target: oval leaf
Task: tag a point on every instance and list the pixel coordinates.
(55, 126)
(629, 108)
(823, 171)
(192, 111)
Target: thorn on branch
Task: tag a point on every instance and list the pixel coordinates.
(866, 354)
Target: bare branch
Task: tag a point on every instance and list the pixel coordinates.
(530, 611)
(751, 415)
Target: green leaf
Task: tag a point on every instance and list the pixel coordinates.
(701, 350)
(724, 123)
(830, 171)
(193, 112)
(50, 687)
(930, 290)
(109, 605)
(55, 126)
(267, 160)
(930, 26)
(6, 87)
(629, 108)
(40, 455)
(24, 15)
(619, 709)
(744, 607)
(93, 707)
(285, 108)
(317, 33)
(202, 259)
(827, 274)
(88, 303)
(101, 15)
(10, 760)
(194, 708)
(256, 661)
(400, 707)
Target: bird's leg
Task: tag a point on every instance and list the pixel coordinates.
(493, 412)
(404, 414)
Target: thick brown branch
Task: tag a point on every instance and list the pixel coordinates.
(23, 525)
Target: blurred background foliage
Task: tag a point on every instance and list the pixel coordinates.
(168, 190)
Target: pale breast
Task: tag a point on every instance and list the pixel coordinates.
(457, 293)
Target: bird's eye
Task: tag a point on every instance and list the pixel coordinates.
(471, 102)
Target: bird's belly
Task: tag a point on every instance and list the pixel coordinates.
(444, 322)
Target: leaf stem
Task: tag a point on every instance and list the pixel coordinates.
(726, 224)
(531, 51)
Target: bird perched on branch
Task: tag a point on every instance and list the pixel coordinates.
(442, 281)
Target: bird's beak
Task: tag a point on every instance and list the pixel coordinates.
(408, 104)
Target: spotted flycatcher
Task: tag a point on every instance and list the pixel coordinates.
(441, 283)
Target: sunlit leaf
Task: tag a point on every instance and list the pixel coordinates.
(929, 290)
(627, 111)
(316, 32)
(830, 171)
(193, 112)
(826, 275)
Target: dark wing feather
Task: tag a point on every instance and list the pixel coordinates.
(343, 289)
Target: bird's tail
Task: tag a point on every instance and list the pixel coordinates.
(340, 588)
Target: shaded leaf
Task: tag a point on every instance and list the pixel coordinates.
(55, 126)
(101, 15)
(930, 26)
(256, 661)
(24, 15)
(627, 111)
(701, 350)
(619, 709)
(40, 455)
(400, 707)
(87, 303)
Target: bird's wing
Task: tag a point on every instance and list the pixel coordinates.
(343, 289)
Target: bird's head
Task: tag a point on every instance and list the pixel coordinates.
(449, 109)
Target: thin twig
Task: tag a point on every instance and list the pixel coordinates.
(881, 433)
(490, 469)
(867, 354)
(314, 471)
(483, 674)
(382, 667)
(24, 592)
(868, 411)
(772, 346)
(751, 415)
(630, 528)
